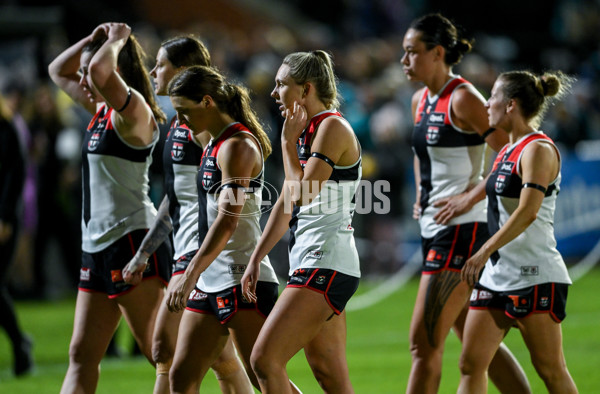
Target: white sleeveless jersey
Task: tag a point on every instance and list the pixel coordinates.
(450, 159)
(532, 257)
(321, 232)
(228, 268)
(115, 184)
(181, 159)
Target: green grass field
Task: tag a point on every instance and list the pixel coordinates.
(377, 348)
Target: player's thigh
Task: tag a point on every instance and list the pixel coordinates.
(484, 330)
(296, 319)
(140, 307)
(441, 299)
(167, 322)
(543, 338)
(200, 340)
(327, 350)
(96, 318)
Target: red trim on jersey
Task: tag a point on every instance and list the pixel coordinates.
(231, 130)
(97, 118)
(513, 156)
(314, 125)
(442, 104)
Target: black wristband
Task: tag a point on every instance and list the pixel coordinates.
(324, 158)
(126, 101)
(487, 132)
(535, 186)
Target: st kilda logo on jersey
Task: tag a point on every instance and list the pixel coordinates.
(503, 172)
(500, 183)
(433, 135)
(97, 131)
(210, 167)
(180, 137)
(177, 152)
(95, 140)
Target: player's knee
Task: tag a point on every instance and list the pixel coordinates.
(467, 365)
(425, 352)
(227, 368)
(324, 376)
(261, 364)
(547, 369)
(177, 379)
(78, 355)
(161, 352)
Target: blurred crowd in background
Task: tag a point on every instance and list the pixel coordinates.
(248, 40)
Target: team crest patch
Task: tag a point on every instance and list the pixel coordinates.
(177, 152)
(433, 135)
(457, 260)
(500, 183)
(544, 301)
(94, 140)
(320, 279)
(207, 179)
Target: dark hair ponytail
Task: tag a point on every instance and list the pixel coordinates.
(185, 51)
(195, 82)
(436, 29)
(133, 71)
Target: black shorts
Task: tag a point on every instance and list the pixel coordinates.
(224, 304)
(181, 264)
(335, 286)
(450, 248)
(102, 271)
(545, 298)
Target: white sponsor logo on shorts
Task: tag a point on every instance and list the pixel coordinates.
(196, 295)
(480, 295)
(84, 274)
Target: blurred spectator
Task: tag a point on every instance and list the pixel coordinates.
(15, 101)
(12, 178)
(58, 191)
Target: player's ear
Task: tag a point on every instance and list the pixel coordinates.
(305, 89)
